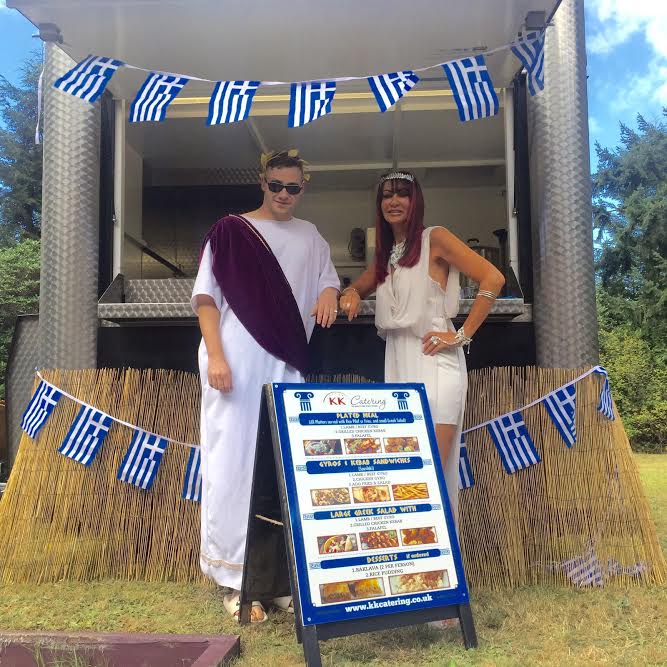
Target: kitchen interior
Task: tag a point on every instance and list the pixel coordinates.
(178, 177)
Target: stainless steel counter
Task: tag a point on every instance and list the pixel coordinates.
(169, 300)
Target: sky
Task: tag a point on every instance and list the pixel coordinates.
(627, 61)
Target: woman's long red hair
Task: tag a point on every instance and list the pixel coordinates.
(384, 237)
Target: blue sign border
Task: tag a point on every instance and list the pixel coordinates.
(312, 615)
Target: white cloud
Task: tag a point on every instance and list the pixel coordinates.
(620, 19)
(649, 86)
(615, 21)
(594, 126)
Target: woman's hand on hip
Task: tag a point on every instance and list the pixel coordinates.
(437, 341)
(219, 374)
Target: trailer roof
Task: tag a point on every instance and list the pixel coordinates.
(291, 41)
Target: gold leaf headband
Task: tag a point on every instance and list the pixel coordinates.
(265, 158)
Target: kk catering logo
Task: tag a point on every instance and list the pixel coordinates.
(335, 399)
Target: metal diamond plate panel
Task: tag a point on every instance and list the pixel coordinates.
(20, 377)
(169, 290)
(565, 314)
(170, 298)
(70, 219)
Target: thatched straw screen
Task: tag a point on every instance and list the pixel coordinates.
(61, 520)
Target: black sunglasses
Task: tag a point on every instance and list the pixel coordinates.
(277, 186)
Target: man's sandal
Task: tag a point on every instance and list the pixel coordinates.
(285, 603)
(232, 603)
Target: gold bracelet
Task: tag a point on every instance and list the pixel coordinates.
(351, 288)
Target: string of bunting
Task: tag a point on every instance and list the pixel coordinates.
(142, 459)
(231, 101)
(510, 435)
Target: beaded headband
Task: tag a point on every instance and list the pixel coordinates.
(397, 175)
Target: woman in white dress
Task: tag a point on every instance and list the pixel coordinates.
(416, 277)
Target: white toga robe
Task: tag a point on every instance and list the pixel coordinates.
(229, 421)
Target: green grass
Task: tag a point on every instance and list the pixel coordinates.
(528, 626)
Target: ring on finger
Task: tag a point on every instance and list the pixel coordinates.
(435, 340)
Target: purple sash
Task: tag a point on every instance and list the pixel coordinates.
(257, 290)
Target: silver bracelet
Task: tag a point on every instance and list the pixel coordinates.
(351, 288)
(487, 293)
(460, 337)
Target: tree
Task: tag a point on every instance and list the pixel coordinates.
(20, 157)
(630, 222)
(19, 291)
(630, 219)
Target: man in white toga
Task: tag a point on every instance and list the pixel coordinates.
(264, 280)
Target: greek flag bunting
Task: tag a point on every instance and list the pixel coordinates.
(636, 570)
(561, 406)
(192, 480)
(154, 96)
(389, 88)
(231, 101)
(530, 51)
(472, 88)
(606, 404)
(88, 79)
(466, 478)
(142, 459)
(584, 570)
(310, 101)
(513, 442)
(86, 435)
(39, 409)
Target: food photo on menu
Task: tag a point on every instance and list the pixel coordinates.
(370, 494)
(330, 447)
(413, 536)
(363, 445)
(416, 491)
(322, 497)
(398, 445)
(336, 544)
(344, 591)
(378, 539)
(419, 581)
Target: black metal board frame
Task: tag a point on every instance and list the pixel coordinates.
(269, 569)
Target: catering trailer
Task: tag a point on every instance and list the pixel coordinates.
(126, 204)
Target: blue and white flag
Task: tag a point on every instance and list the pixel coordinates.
(155, 95)
(86, 435)
(636, 570)
(231, 101)
(142, 459)
(530, 51)
(192, 480)
(466, 478)
(40, 408)
(472, 87)
(389, 88)
(310, 101)
(584, 570)
(561, 406)
(606, 404)
(89, 78)
(513, 442)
